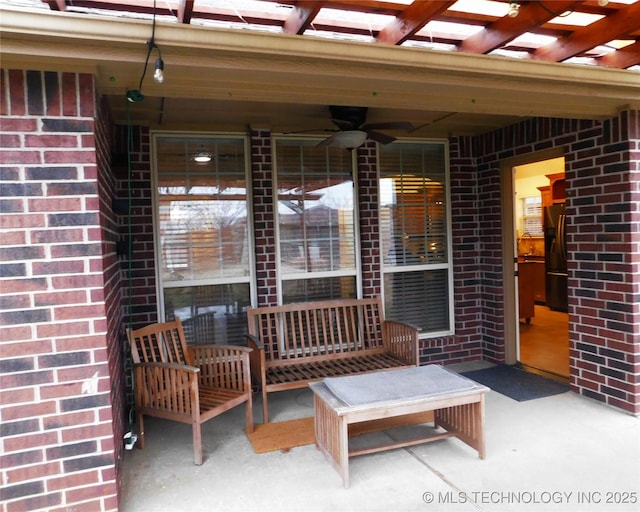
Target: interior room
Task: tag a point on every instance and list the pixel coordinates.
(544, 321)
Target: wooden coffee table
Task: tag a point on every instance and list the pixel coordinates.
(459, 412)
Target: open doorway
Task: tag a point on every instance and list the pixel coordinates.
(540, 252)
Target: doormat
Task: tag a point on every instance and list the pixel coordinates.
(284, 435)
(517, 384)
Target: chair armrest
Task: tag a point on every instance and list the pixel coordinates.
(223, 366)
(169, 387)
(401, 340)
(254, 342)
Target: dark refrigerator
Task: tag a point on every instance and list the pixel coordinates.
(555, 252)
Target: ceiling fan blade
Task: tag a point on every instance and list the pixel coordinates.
(391, 125)
(313, 130)
(381, 138)
(328, 141)
(348, 139)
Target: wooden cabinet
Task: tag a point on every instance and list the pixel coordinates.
(526, 298)
(545, 194)
(557, 187)
(539, 276)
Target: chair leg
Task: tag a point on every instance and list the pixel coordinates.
(197, 443)
(249, 413)
(140, 422)
(265, 408)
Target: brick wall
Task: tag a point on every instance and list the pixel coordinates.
(603, 197)
(133, 170)
(264, 217)
(369, 219)
(57, 427)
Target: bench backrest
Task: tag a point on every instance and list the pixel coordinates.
(318, 330)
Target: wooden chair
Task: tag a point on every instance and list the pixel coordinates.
(189, 384)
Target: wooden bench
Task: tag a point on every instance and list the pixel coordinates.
(296, 344)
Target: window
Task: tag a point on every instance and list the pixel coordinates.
(202, 234)
(531, 216)
(414, 226)
(316, 223)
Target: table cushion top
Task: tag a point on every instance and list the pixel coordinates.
(407, 383)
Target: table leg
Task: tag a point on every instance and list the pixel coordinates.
(332, 437)
(466, 422)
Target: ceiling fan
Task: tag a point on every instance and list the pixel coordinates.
(353, 130)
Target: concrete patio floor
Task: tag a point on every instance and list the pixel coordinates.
(564, 453)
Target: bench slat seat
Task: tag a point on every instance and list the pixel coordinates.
(295, 344)
(329, 368)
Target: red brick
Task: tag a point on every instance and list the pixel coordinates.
(8, 156)
(74, 312)
(26, 348)
(21, 443)
(17, 102)
(69, 94)
(60, 297)
(80, 343)
(28, 410)
(51, 141)
(94, 491)
(87, 432)
(22, 221)
(80, 373)
(73, 480)
(71, 419)
(74, 157)
(33, 472)
(14, 238)
(12, 124)
(67, 204)
(63, 329)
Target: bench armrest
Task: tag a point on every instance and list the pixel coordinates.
(157, 386)
(258, 361)
(401, 340)
(223, 366)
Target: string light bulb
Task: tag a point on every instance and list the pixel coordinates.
(514, 9)
(158, 74)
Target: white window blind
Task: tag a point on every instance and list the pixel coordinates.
(531, 216)
(202, 232)
(316, 224)
(414, 235)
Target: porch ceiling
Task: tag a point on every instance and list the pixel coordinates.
(228, 79)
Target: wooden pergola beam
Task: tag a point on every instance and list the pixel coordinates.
(411, 19)
(623, 21)
(622, 58)
(301, 17)
(57, 5)
(505, 29)
(185, 11)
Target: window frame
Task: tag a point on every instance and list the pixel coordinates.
(386, 269)
(250, 278)
(283, 276)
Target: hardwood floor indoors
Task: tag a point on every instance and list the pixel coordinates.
(544, 343)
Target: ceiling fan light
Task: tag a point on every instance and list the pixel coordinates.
(202, 157)
(349, 139)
